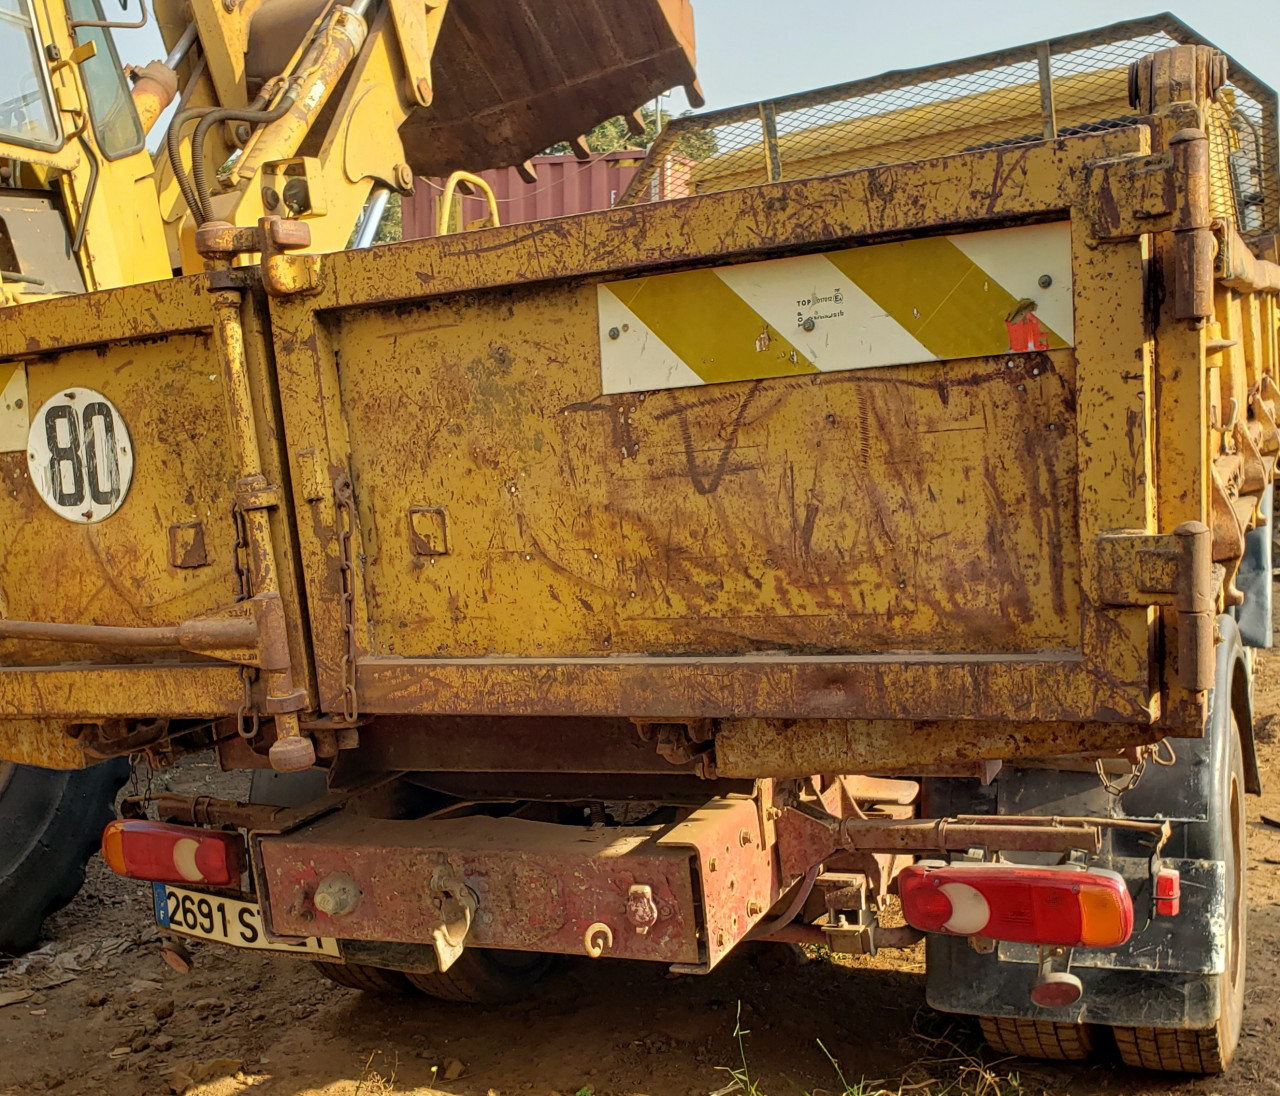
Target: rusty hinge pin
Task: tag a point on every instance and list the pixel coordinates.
(1194, 246)
(1194, 603)
(291, 751)
(345, 502)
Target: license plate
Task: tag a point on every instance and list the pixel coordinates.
(227, 921)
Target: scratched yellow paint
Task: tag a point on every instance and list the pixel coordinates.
(926, 507)
(119, 571)
(14, 410)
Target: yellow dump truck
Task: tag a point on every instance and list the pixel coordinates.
(655, 581)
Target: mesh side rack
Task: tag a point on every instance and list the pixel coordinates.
(1063, 87)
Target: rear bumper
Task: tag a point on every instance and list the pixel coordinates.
(682, 894)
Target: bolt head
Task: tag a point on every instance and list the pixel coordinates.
(809, 324)
(614, 333)
(336, 895)
(1046, 280)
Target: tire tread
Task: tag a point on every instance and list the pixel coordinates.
(1038, 1038)
(474, 978)
(74, 807)
(1170, 1049)
(365, 978)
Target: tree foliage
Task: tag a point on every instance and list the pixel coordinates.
(390, 229)
(612, 135)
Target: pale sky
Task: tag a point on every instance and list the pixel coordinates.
(756, 49)
(746, 51)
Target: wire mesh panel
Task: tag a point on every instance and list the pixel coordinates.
(1068, 86)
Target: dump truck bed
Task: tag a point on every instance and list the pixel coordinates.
(908, 466)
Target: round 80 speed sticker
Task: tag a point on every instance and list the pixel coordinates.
(80, 456)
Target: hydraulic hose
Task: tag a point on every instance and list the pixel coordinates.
(210, 119)
(173, 142)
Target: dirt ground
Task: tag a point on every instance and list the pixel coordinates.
(96, 1011)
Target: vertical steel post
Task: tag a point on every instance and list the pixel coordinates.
(773, 161)
(1048, 111)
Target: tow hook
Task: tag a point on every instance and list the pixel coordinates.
(596, 939)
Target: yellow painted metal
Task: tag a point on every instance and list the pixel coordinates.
(635, 552)
(922, 549)
(151, 350)
(123, 236)
(446, 200)
(417, 29)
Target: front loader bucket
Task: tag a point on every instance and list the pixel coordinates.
(512, 79)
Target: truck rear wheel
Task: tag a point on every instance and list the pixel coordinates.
(365, 978)
(1209, 1050)
(51, 822)
(1038, 1038)
(486, 976)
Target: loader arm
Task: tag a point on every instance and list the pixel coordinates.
(292, 108)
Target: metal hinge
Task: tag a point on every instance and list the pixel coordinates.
(1174, 570)
(346, 568)
(1165, 192)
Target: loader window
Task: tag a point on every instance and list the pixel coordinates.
(115, 121)
(27, 116)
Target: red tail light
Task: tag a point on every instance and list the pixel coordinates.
(163, 853)
(1063, 906)
(1168, 892)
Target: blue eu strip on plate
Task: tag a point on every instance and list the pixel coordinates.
(162, 905)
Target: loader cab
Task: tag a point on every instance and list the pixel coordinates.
(27, 114)
(78, 207)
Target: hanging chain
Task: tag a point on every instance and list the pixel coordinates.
(1161, 753)
(248, 720)
(240, 555)
(346, 569)
(1130, 780)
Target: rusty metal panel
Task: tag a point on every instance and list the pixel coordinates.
(119, 570)
(717, 521)
(537, 886)
(164, 551)
(907, 542)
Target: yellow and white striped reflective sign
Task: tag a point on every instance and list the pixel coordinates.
(922, 300)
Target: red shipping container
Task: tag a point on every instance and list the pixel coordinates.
(565, 186)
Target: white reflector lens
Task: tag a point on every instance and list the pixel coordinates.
(970, 912)
(184, 859)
